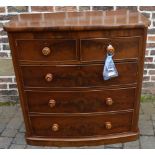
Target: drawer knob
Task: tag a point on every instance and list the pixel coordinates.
(49, 77)
(109, 101)
(108, 125)
(55, 127)
(110, 49)
(52, 103)
(46, 51)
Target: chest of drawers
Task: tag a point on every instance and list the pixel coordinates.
(58, 61)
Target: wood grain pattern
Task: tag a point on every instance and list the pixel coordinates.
(96, 49)
(62, 91)
(85, 101)
(89, 141)
(94, 20)
(77, 76)
(80, 126)
(61, 50)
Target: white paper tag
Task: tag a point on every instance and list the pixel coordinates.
(110, 74)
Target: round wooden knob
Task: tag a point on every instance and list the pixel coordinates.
(55, 127)
(109, 101)
(110, 49)
(108, 125)
(46, 51)
(49, 77)
(52, 103)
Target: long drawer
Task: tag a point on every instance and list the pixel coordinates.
(89, 75)
(83, 101)
(80, 126)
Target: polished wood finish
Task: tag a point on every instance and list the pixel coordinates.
(81, 101)
(80, 126)
(96, 49)
(110, 50)
(108, 125)
(88, 75)
(47, 50)
(55, 127)
(109, 101)
(49, 77)
(94, 20)
(96, 140)
(58, 60)
(52, 103)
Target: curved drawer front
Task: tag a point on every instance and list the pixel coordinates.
(81, 126)
(95, 49)
(81, 101)
(77, 76)
(47, 50)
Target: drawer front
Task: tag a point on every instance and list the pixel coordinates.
(96, 49)
(81, 126)
(81, 101)
(47, 50)
(77, 76)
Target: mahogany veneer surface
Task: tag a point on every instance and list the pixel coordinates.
(58, 61)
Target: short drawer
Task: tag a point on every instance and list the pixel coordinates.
(77, 76)
(83, 101)
(95, 49)
(81, 126)
(47, 50)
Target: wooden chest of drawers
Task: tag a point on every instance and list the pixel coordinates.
(58, 60)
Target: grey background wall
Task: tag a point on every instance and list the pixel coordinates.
(8, 89)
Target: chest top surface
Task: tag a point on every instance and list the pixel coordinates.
(89, 20)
